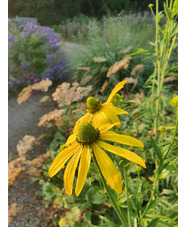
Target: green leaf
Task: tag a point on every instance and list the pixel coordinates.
(95, 197)
(156, 149)
(152, 204)
(153, 223)
(168, 11)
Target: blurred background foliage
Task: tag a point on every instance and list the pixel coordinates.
(50, 12)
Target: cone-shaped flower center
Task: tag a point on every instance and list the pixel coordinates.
(93, 105)
(87, 134)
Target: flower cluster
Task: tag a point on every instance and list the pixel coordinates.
(88, 138)
(34, 54)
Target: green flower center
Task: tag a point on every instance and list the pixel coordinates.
(87, 134)
(93, 105)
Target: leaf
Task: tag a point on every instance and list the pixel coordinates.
(62, 222)
(95, 197)
(152, 204)
(156, 149)
(44, 98)
(153, 223)
(168, 11)
(108, 222)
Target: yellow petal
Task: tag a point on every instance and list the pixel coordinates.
(112, 116)
(115, 109)
(85, 118)
(70, 171)
(123, 139)
(62, 158)
(100, 118)
(70, 139)
(106, 127)
(118, 87)
(108, 169)
(83, 169)
(124, 153)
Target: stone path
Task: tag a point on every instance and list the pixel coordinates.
(23, 120)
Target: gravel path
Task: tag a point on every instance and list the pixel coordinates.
(23, 120)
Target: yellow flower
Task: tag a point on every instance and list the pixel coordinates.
(174, 101)
(105, 113)
(79, 146)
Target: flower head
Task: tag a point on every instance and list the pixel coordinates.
(104, 113)
(78, 149)
(174, 101)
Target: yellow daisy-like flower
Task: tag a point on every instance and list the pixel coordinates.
(79, 146)
(103, 113)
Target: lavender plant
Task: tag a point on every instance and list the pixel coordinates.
(34, 53)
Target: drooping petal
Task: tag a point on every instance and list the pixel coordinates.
(106, 127)
(85, 118)
(118, 87)
(62, 158)
(115, 109)
(83, 169)
(70, 139)
(124, 153)
(108, 169)
(70, 171)
(111, 115)
(100, 118)
(123, 139)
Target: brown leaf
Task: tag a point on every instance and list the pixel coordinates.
(83, 68)
(43, 85)
(123, 64)
(65, 95)
(100, 59)
(24, 94)
(85, 80)
(26, 144)
(170, 79)
(137, 68)
(14, 169)
(131, 80)
(54, 115)
(103, 86)
(125, 50)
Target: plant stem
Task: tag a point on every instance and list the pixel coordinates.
(128, 204)
(115, 206)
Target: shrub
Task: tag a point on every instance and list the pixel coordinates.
(35, 53)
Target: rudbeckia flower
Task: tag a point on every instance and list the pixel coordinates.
(79, 146)
(103, 113)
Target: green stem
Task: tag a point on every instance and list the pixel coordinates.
(115, 206)
(128, 204)
(158, 170)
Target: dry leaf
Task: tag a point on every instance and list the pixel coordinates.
(54, 115)
(125, 50)
(14, 169)
(139, 96)
(12, 211)
(25, 145)
(131, 80)
(100, 59)
(36, 163)
(65, 95)
(123, 64)
(83, 68)
(24, 94)
(43, 85)
(136, 69)
(85, 80)
(103, 86)
(170, 79)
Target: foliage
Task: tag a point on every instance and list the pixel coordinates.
(34, 54)
(150, 197)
